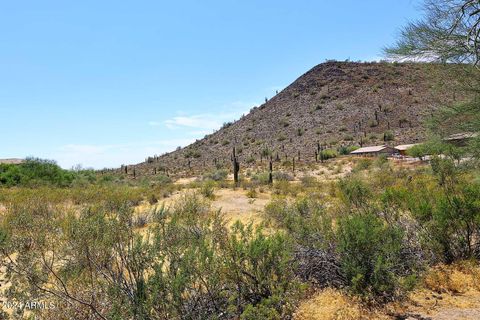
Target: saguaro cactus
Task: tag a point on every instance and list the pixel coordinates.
(236, 167)
(270, 173)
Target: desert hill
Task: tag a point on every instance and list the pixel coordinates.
(334, 104)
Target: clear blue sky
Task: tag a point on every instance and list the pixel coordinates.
(101, 83)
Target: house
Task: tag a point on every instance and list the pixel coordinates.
(460, 139)
(402, 149)
(374, 151)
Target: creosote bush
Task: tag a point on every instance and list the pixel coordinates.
(91, 262)
(207, 189)
(370, 255)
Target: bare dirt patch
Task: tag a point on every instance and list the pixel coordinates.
(238, 206)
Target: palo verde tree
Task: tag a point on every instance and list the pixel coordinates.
(450, 33)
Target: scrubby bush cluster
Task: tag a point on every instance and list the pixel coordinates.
(375, 231)
(35, 172)
(92, 263)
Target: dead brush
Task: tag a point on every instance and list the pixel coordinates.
(455, 279)
(141, 220)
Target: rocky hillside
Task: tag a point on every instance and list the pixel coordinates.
(333, 104)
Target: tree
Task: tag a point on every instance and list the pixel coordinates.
(449, 32)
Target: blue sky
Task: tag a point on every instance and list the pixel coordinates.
(103, 83)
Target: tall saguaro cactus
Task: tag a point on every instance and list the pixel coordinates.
(270, 172)
(236, 167)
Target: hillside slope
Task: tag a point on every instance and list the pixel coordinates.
(334, 104)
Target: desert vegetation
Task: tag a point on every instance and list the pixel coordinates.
(272, 219)
(95, 245)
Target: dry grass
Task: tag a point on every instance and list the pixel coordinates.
(238, 206)
(331, 304)
(445, 293)
(455, 279)
(235, 204)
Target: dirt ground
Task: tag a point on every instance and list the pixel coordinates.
(237, 206)
(234, 204)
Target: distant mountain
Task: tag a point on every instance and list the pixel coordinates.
(12, 161)
(334, 104)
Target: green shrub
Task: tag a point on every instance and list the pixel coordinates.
(449, 216)
(261, 270)
(162, 179)
(37, 172)
(281, 176)
(344, 150)
(328, 154)
(363, 164)
(207, 189)
(260, 178)
(388, 136)
(217, 175)
(308, 181)
(370, 255)
(355, 193)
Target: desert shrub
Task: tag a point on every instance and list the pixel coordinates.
(35, 172)
(363, 164)
(285, 188)
(261, 270)
(309, 224)
(162, 179)
(152, 199)
(83, 178)
(308, 181)
(355, 193)
(217, 175)
(388, 136)
(450, 218)
(344, 150)
(252, 193)
(328, 154)
(207, 189)
(370, 256)
(141, 220)
(418, 151)
(191, 153)
(281, 176)
(260, 178)
(303, 218)
(250, 160)
(381, 161)
(188, 266)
